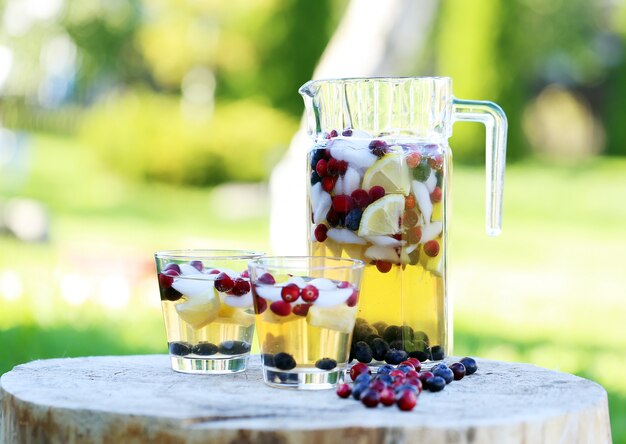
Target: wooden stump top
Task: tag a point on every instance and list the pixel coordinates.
(140, 399)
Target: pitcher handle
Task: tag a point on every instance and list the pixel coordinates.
(494, 119)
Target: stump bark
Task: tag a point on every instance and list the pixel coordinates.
(134, 399)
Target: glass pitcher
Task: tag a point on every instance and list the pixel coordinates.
(379, 170)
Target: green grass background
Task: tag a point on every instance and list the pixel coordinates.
(551, 290)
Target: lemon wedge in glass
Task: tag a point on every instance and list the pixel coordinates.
(383, 216)
(390, 172)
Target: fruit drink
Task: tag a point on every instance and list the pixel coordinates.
(209, 315)
(304, 324)
(382, 200)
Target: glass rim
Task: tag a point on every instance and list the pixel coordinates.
(305, 88)
(348, 263)
(208, 254)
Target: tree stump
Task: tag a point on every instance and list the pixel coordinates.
(121, 399)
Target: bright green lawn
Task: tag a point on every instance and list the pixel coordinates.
(551, 290)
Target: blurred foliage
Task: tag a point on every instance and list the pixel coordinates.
(154, 137)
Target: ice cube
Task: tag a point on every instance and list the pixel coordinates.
(341, 318)
(301, 283)
(338, 189)
(330, 298)
(379, 253)
(239, 301)
(385, 241)
(345, 236)
(431, 182)
(354, 151)
(431, 231)
(351, 181)
(422, 196)
(198, 288)
(322, 284)
(186, 269)
(360, 134)
(269, 292)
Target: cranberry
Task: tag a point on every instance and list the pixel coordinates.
(321, 233)
(431, 248)
(458, 370)
(413, 159)
(347, 132)
(171, 294)
(327, 154)
(344, 390)
(342, 167)
(343, 284)
(353, 299)
(342, 203)
(333, 133)
(360, 198)
(378, 147)
(332, 168)
(417, 365)
(387, 397)
(358, 369)
(198, 265)
(290, 292)
(435, 196)
(267, 279)
(415, 382)
(397, 374)
(223, 283)
(332, 217)
(378, 385)
(260, 305)
(425, 375)
(172, 266)
(376, 192)
(436, 162)
(412, 374)
(406, 400)
(470, 365)
(328, 183)
(370, 398)
(240, 288)
(245, 274)
(414, 234)
(166, 280)
(410, 218)
(383, 266)
(320, 168)
(301, 309)
(409, 202)
(281, 308)
(310, 293)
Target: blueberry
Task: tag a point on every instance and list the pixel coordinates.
(347, 132)
(395, 357)
(234, 347)
(445, 373)
(316, 156)
(204, 349)
(420, 336)
(407, 333)
(392, 333)
(404, 387)
(435, 384)
(326, 364)
(422, 171)
(268, 359)
(284, 361)
(388, 380)
(470, 365)
(315, 178)
(363, 352)
(357, 389)
(170, 294)
(353, 219)
(361, 331)
(179, 348)
(378, 147)
(385, 369)
(405, 368)
(379, 349)
(437, 352)
(422, 356)
(380, 327)
(363, 378)
(407, 346)
(370, 339)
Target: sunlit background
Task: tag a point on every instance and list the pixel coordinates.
(129, 126)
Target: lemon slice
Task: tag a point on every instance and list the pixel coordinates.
(390, 172)
(198, 313)
(382, 217)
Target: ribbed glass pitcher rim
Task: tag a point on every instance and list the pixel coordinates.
(305, 89)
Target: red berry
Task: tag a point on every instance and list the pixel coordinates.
(328, 183)
(409, 202)
(378, 147)
(370, 398)
(343, 284)
(342, 203)
(223, 283)
(320, 168)
(413, 159)
(407, 362)
(198, 265)
(414, 234)
(327, 153)
(260, 305)
(332, 217)
(376, 192)
(290, 292)
(410, 218)
(425, 375)
(358, 369)
(397, 374)
(172, 266)
(387, 397)
(333, 133)
(353, 299)
(245, 274)
(458, 370)
(267, 279)
(436, 162)
(240, 288)
(165, 280)
(342, 167)
(344, 390)
(435, 196)
(214, 271)
(417, 365)
(431, 248)
(360, 198)
(310, 293)
(332, 167)
(415, 382)
(383, 266)
(320, 233)
(406, 400)
(301, 309)
(281, 308)
(347, 132)
(377, 385)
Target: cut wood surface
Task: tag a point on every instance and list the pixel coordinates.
(119, 399)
